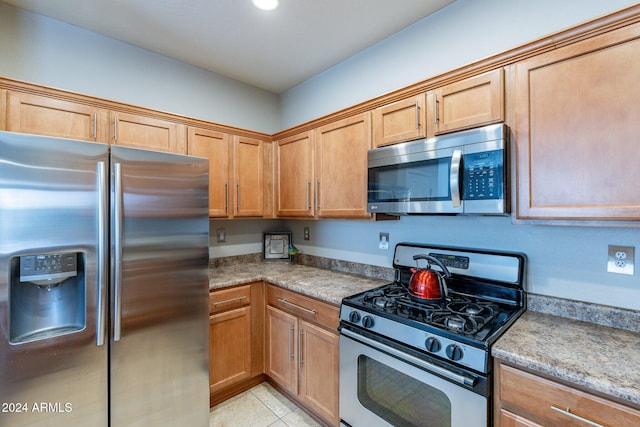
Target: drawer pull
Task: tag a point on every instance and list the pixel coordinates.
(568, 413)
(228, 301)
(306, 310)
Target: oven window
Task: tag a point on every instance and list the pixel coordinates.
(418, 181)
(399, 399)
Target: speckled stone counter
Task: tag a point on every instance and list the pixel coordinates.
(596, 358)
(326, 285)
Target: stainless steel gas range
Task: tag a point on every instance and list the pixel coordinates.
(406, 361)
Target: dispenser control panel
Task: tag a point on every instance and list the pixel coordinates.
(51, 267)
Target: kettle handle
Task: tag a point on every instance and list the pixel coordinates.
(430, 259)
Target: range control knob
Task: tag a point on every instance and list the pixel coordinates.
(454, 352)
(354, 317)
(367, 321)
(432, 344)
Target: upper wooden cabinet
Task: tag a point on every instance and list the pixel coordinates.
(137, 131)
(465, 104)
(341, 172)
(400, 121)
(215, 146)
(576, 129)
(42, 115)
(239, 172)
(294, 161)
(248, 163)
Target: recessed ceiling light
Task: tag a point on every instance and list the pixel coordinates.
(266, 4)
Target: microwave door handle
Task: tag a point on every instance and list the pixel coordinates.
(454, 178)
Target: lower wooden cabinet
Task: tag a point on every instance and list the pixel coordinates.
(235, 340)
(302, 350)
(524, 399)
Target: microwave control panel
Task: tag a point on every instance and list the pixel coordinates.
(483, 176)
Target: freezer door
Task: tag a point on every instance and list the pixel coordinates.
(53, 365)
(159, 296)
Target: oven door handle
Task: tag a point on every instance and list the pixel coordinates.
(458, 378)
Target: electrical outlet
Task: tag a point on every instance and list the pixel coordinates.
(621, 259)
(384, 241)
(221, 235)
(306, 233)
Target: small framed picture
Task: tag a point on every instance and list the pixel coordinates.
(276, 246)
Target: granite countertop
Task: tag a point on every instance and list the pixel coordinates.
(326, 285)
(596, 358)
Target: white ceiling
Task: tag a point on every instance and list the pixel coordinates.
(271, 50)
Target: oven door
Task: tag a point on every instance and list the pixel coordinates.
(382, 386)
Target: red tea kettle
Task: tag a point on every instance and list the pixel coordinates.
(427, 284)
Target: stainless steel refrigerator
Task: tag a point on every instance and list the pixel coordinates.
(103, 285)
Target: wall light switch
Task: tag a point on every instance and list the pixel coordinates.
(221, 235)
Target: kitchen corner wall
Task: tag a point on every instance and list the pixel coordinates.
(566, 262)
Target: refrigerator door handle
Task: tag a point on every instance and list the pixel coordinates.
(103, 203)
(117, 268)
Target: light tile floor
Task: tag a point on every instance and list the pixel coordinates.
(260, 406)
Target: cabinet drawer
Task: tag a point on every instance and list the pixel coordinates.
(304, 307)
(227, 299)
(550, 403)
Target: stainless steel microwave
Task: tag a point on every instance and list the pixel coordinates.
(459, 173)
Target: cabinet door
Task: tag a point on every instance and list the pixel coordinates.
(150, 133)
(294, 176)
(40, 115)
(214, 146)
(282, 348)
(341, 173)
(472, 102)
(507, 419)
(401, 121)
(230, 344)
(319, 370)
(249, 183)
(577, 115)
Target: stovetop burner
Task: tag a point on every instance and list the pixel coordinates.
(457, 313)
(485, 296)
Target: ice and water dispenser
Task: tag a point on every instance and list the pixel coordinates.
(47, 296)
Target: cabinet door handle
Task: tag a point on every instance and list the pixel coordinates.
(228, 301)
(568, 413)
(291, 353)
(435, 109)
(290, 304)
(417, 115)
(308, 195)
(317, 195)
(226, 197)
(115, 128)
(95, 125)
(300, 352)
(238, 197)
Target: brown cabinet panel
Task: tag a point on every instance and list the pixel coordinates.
(230, 343)
(281, 348)
(524, 399)
(319, 370)
(577, 114)
(341, 173)
(248, 162)
(400, 121)
(43, 115)
(215, 146)
(294, 176)
(469, 103)
(132, 130)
